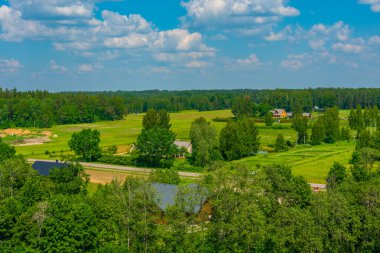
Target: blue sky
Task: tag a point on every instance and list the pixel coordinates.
(190, 44)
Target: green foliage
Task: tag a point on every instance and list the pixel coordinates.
(336, 176)
(86, 144)
(165, 176)
(6, 151)
(69, 180)
(359, 173)
(239, 139)
(356, 119)
(345, 134)
(269, 119)
(154, 119)
(243, 107)
(364, 140)
(14, 173)
(318, 132)
(300, 124)
(204, 143)
(155, 147)
(331, 125)
(280, 143)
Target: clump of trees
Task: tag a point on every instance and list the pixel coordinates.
(280, 144)
(85, 144)
(155, 145)
(327, 128)
(300, 124)
(204, 142)
(239, 139)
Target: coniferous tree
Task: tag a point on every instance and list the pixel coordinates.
(280, 143)
(300, 124)
(331, 125)
(269, 119)
(317, 132)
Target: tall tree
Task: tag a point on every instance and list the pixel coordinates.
(154, 118)
(239, 139)
(204, 143)
(280, 143)
(86, 144)
(331, 125)
(268, 119)
(318, 132)
(243, 107)
(336, 175)
(300, 124)
(155, 147)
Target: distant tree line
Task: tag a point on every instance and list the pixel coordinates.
(43, 109)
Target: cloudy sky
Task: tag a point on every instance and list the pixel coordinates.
(190, 44)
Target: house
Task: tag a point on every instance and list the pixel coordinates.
(289, 115)
(184, 144)
(307, 115)
(279, 113)
(195, 196)
(43, 167)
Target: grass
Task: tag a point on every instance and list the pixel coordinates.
(119, 133)
(311, 162)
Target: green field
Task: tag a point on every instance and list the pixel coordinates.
(312, 162)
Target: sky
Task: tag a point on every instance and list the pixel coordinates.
(95, 45)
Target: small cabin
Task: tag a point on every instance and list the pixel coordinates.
(279, 113)
(44, 167)
(307, 115)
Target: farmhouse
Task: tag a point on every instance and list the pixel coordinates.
(279, 113)
(43, 168)
(184, 144)
(307, 115)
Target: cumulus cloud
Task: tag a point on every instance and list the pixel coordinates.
(57, 68)
(375, 4)
(348, 48)
(72, 26)
(252, 60)
(85, 68)
(9, 65)
(295, 61)
(236, 15)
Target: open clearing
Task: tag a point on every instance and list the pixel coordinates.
(312, 162)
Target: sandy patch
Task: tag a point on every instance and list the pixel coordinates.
(33, 141)
(105, 177)
(19, 132)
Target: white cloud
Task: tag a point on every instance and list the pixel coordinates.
(348, 48)
(252, 60)
(130, 41)
(375, 40)
(236, 15)
(9, 65)
(72, 26)
(14, 28)
(85, 68)
(292, 64)
(196, 64)
(57, 68)
(375, 4)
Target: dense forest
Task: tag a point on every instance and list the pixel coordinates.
(262, 210)
(43, 109)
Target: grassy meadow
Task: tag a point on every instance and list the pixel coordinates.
(312, 162)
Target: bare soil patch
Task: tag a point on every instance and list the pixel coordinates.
(105, 177)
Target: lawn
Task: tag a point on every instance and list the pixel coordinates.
(311, 162)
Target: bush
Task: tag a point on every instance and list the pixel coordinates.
(119, 160)
(165, 176)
